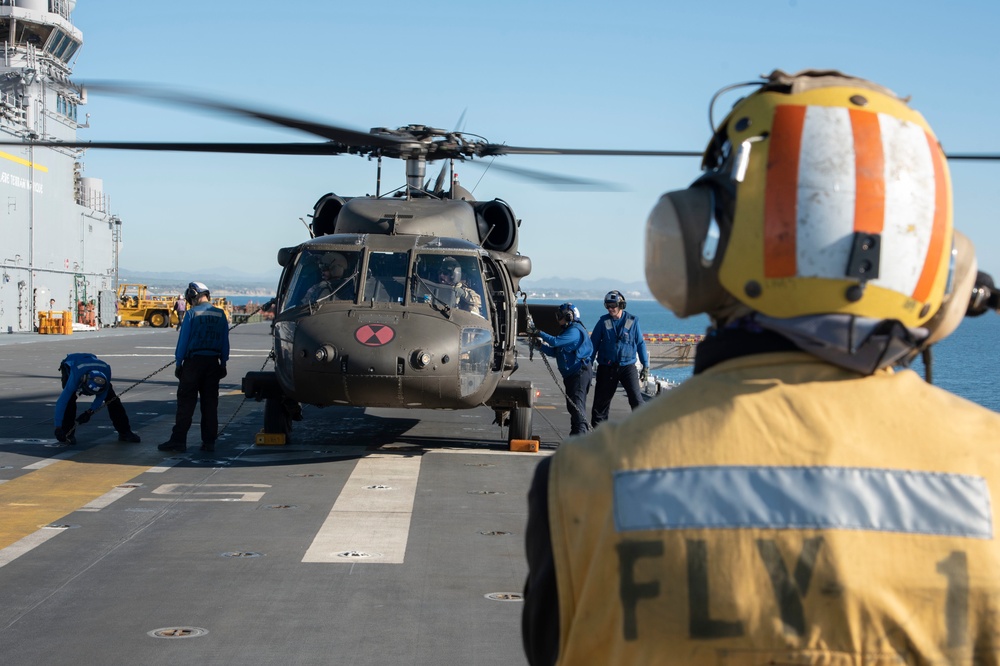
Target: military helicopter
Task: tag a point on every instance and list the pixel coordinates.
(408, 299)
(405, 299)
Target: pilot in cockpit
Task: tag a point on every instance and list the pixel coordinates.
(450, 274)
(333, 285)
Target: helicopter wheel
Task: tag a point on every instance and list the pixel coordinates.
(520, 423)
(276, 421)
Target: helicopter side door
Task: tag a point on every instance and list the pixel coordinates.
(500, 292)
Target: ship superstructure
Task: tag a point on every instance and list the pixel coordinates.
(58, 239)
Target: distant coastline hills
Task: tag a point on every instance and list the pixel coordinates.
(230, 282)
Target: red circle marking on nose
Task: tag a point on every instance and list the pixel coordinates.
(374, 335)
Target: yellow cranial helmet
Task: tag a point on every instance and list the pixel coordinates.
(823, 194)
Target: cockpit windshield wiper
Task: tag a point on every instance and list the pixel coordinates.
(431, 290)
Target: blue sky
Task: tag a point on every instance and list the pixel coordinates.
(569, 74)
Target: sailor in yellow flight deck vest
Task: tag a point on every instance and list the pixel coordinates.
(802, 498)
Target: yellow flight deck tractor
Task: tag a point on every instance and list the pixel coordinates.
(137, 307)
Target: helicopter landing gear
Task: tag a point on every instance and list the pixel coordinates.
(520, 423)
(279, 409)
(276, 418)
(513, 402)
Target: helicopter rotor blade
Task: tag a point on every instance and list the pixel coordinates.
(553, 180)
(499, 149)
(315, 148)
(441, 178)
(344, 135)
(490, 149)
(974, 156)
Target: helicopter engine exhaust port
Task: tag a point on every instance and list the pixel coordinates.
(497, 225)
(325, 213)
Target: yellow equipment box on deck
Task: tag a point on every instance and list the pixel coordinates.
(270, 439)
(55, 322)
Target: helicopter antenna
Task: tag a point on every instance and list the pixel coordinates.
(483, 175)
(486, 236)
(378, 177)
(308, 228)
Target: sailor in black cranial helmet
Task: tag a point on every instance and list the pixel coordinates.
(572, 350)
(803, 498)
(85, 374)
(201, 354)
(618, 342)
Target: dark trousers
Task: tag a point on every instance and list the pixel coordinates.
(608, 379)
(119, 419)
(200, 377)
(577, 388)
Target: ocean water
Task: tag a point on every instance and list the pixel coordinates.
(966, 363)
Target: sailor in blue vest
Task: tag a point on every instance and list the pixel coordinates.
(572, 350)
(85, 374)
(617, 340)
(201, 354)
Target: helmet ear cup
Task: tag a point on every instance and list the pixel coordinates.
(684, 247)
(956, 302)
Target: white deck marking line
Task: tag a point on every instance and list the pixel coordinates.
(372, 521)
(106, 499)
(64, 455)
(28, 543)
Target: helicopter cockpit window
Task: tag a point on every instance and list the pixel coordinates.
(385, 281)
(449, 281)
(321, 276)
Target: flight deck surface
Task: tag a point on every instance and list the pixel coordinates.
(375, 536)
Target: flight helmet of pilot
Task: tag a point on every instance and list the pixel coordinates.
(450, 272)
(333, 265)
(824, 214)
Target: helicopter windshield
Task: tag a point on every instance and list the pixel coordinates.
(322, 275)
(386, 277)
(450, 280)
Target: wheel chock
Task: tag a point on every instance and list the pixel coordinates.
(270, 439)
(524, 445)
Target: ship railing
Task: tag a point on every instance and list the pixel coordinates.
(60, 7)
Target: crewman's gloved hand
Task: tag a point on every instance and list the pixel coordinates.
(60, 435)
(177, 371)
(83, 418)
(222, 371)
(644, 375)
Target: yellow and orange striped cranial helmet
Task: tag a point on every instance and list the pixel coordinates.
(824, 194)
